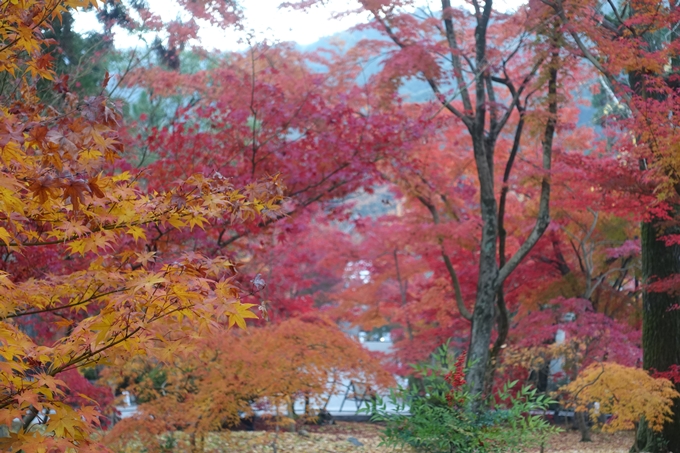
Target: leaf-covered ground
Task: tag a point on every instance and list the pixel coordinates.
(569, 442)
(346, 437)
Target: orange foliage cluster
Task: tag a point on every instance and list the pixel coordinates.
(627, 393)
(208, 388)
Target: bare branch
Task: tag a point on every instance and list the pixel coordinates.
(455, 55)
(516, 94)
(543, 217)
(433, 83)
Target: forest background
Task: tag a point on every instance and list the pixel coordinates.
(176, 220)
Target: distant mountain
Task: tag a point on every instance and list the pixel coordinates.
(414, 90)
(350, 38)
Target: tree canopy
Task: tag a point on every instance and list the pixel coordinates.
(174, 220)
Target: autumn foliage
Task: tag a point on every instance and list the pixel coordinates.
(286, 192)
(58, 193)
(627, 394)
(213, 385)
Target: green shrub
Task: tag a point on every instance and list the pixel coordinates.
(441, 416)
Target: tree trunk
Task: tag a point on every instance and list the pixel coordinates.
(660, 327)
(491, 277)
(482, 327)
(502, 329)
(483, 316)
(581, 419)
(647, 440)
(292, 426)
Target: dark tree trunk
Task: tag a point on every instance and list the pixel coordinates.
(491, 277)
(485, 121)
(660, 328)
(483, 316)
(581, 419)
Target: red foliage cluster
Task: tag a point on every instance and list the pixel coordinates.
(672, 374)
(456, 379)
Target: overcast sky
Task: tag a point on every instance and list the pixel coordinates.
(264, 18)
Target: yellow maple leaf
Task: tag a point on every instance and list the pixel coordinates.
(148, 282)
(240, 315)
(145, 257)
(5, 236)
(136, 232)
(65, 421)
(77, 246)
(89, 155)
(124, 176)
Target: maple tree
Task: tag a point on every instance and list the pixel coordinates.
(270, 109)
(58, 193)
(630, 394)
(182, 144)
(254, 134)
(212, 386)
(491, 79)
(400, 251)
(586, 287)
